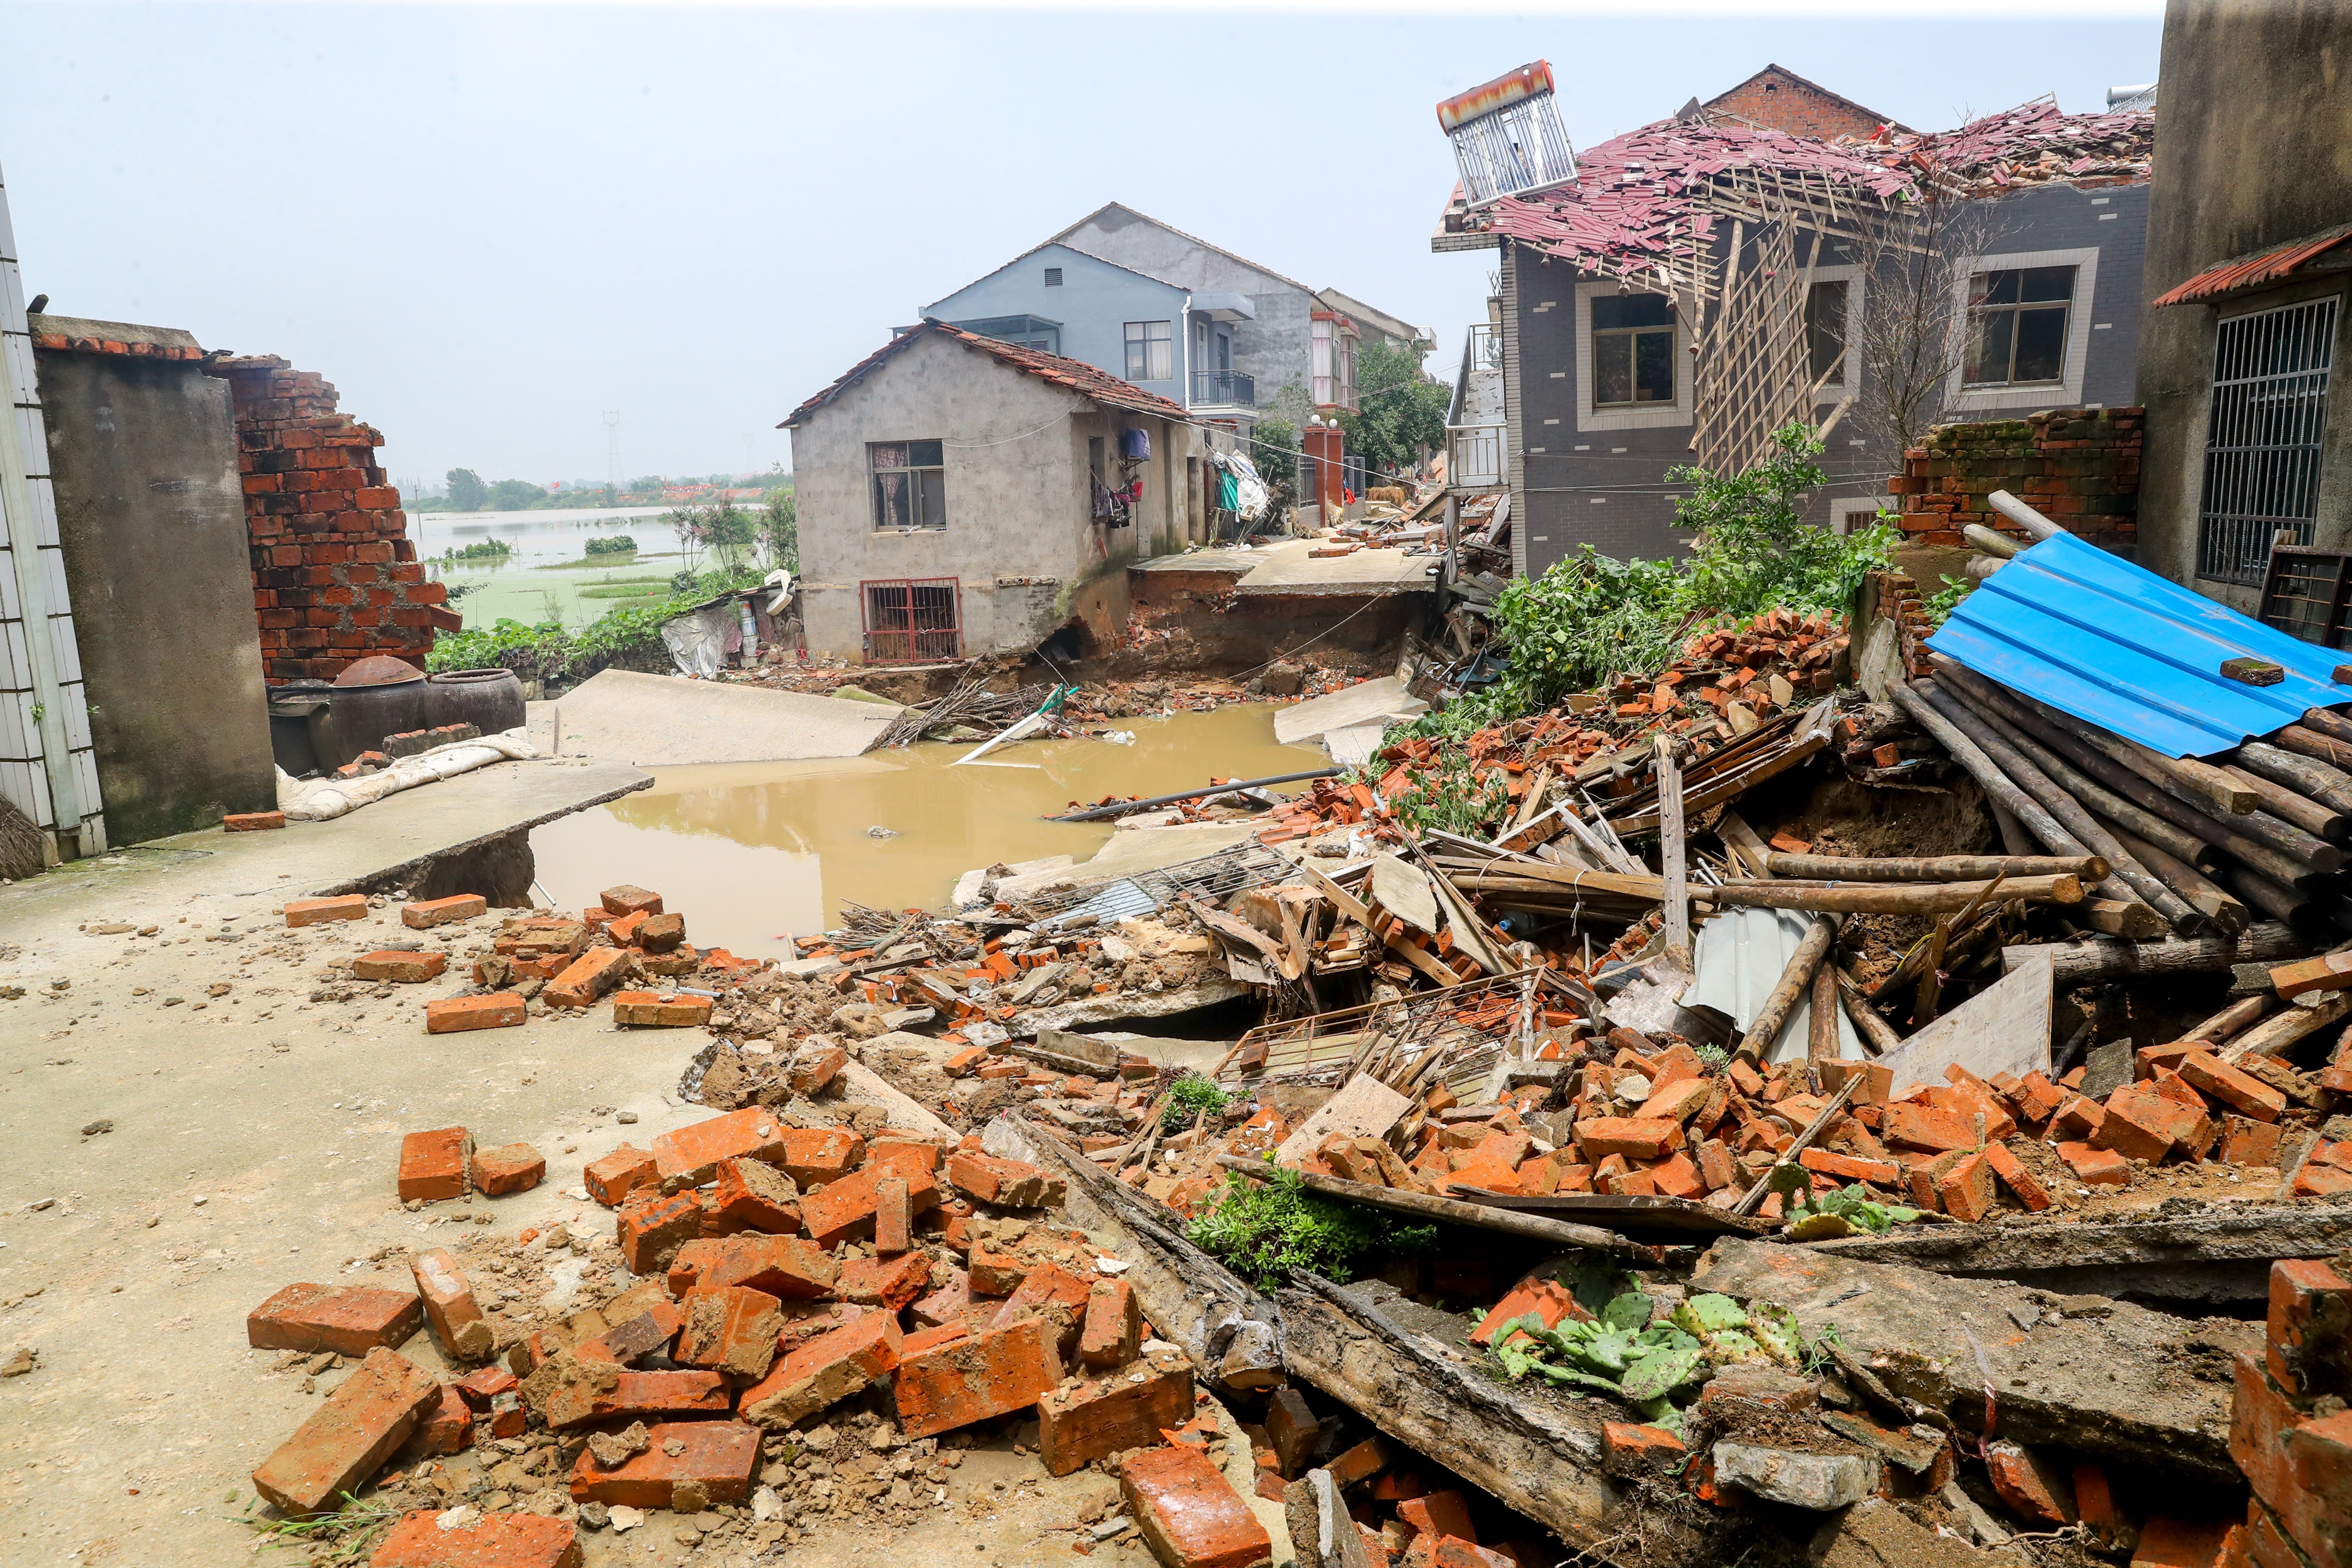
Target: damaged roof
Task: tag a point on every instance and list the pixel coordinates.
(1642, 196)
(2265, 266)
(1076, 376)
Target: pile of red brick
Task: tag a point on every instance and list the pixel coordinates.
(2078, 467)
(2289, 1429)
(335, 575)
(784, 1270)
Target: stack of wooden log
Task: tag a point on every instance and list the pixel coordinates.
(2192, 845)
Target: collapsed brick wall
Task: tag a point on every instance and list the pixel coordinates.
(335, 575)
(2078, 467)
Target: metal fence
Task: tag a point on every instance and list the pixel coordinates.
(2262, 444)
(1225, 386)
(913, 619)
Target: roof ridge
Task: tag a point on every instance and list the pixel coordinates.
(1090, 381)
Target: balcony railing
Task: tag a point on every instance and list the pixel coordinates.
(1229, 387)
(1475, 457)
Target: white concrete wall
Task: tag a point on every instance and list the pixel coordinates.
(1018, 533)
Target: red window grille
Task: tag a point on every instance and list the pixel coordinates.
(912, 619)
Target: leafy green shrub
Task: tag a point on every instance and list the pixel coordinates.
(1588, 619)
(1188, 1096)
(619, 545)
(627, 638)
(1945, 599)
(1452, 796)
(1263, 1230)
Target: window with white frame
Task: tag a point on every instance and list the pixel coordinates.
(910, 486)
(1833, 308)
(1631, 357)
(1150, 351)
(1633, 350)
(2017, 326)
(2021, 330)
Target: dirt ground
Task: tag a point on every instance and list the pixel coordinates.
(251, 1141)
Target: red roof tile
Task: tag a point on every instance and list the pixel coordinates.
(1075, 374)
(2262, 267)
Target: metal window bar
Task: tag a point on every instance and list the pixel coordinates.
(2262, 442)
(1519, 149)
(1215, 877)
(911, 620)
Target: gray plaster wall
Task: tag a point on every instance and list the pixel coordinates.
(2254, 148)
(151, 519)
(1093, 302)
(1020, 539)
(1609, 488)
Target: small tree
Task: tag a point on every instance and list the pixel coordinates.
(1914, 260)
(1756, 552)
(1274, 449)
(780, 531)
(513, 495)
(466, 491)
(1401, 409)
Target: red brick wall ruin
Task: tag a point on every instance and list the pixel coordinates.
(335, 576)
(1779, 101)
(2077, 467)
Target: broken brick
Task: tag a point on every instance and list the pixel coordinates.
(1439, 1514)
(2013, 1175)
(589, 976)
(815, 1155)
(688, 1156)
(844, 1210)
(2096, 1167)
(435, 1165)
(421, 1540)
(786, 1267)
(2245, 1141)
(2309, 1328)
(431, 912)
(1848, 1168)
(484, 1383)
(400, 968)
(1015, 1183)
(1630, 1450)
(2144, 1124)
(1094, 1419)
(1056, 1295)
(449, 1306)
(348, 1320)
(1113, 1327)
(509, 1168)
(666, 1010)
(890, 1283)
(1926, 1129)
(447, 1428)
(347, 1439)
(317, 912)
(991, 1373)
(1189, 1516)
(1361, 1462)
(893, 1218)
(713, 1463)
(1633, 1137)
(252, 821)
(629, 900)
(820, 1373)
(2242, 1092)
(614, 1177)
(2169, 1543)
(815, 1064)
(755, 1195)
(568, 1391)
(458, 1015)
(2034, 1490)
(730, 1329)
(651, 1229)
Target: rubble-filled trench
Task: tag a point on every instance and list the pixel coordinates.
(1362, 1190)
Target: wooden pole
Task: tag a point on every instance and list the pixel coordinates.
(2200, 784)
(1453, 1211)
(1671, 853)
(1803, 1141)
(2091, 960)
(2275, 900)
(2281, 849)
(1821, 1044)
(1812, 949)
(2289, 806)
(2334, 752)
(1907, 969)
(2271, 1037)
(2003, 744)
(1887, 898)
(1986, 772)
(1933, 868)
(2328, 722)
(2330, 787)
(1878, 1036)
(2233, 1019)
(2118, 917)
(2204, 895)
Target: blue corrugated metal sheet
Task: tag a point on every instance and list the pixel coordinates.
(2092, 635)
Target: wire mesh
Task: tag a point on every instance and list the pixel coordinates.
(2270, 371)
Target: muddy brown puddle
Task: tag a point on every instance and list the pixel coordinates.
(752, 851)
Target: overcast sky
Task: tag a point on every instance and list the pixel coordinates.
(487, 225)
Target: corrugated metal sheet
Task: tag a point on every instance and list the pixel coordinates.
(1741, 955)
(2096, 637)
(2259, 268)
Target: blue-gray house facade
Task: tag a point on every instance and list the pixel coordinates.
(1172, 341)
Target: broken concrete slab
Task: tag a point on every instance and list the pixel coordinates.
(1125, 854)
(2135, 1385)
(2221, 1255)
(1366, 703)
(1403, 891)
(1113, 1005)
(861, 1085)
(1819, 1482)
(1363, 1108)
(660, 720)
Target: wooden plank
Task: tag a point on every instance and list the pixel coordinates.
(2003, 1028)
(1672, 851)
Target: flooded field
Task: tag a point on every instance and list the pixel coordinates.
(750, 852)
(548, 577)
